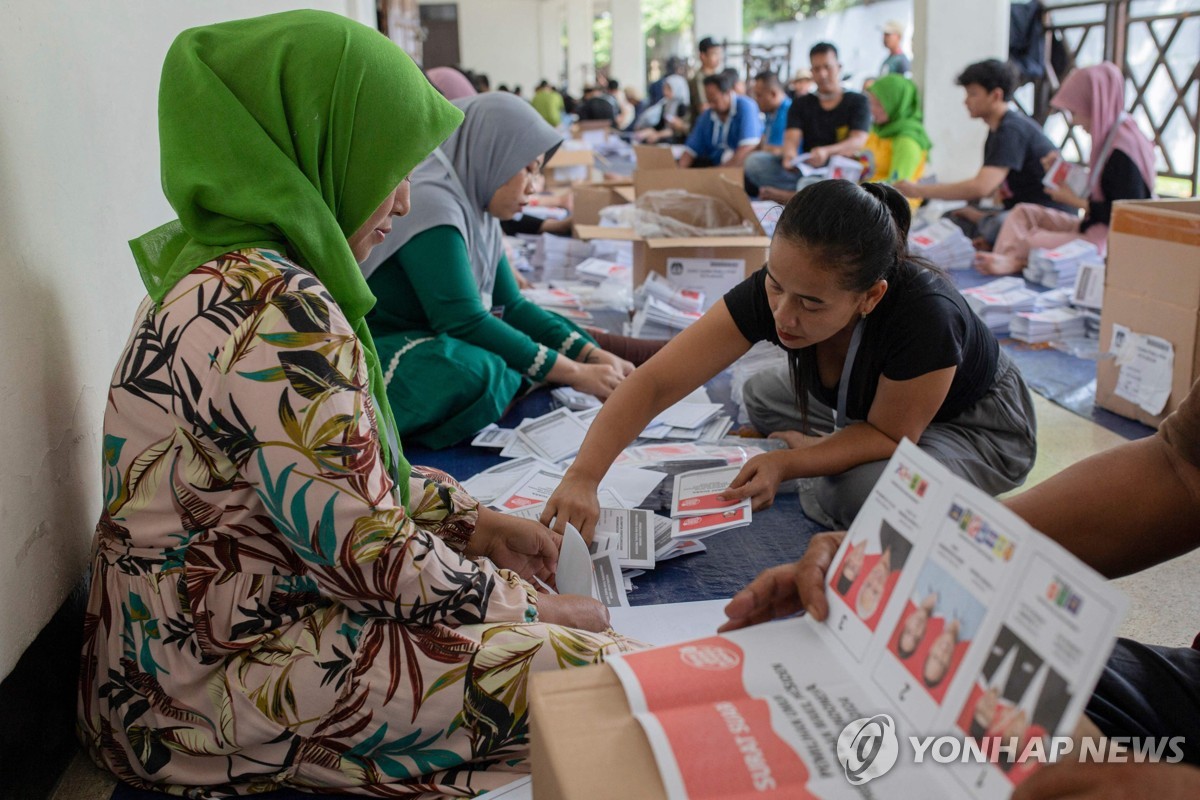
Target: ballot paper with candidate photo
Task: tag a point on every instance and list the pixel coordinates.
(486, 486)
(964, 582)
(699, 492)
(554, 436)
(707, 524)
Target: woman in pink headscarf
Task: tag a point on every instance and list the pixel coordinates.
(450, 82)
(1121, 168)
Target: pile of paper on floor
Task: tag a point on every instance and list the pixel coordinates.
(837, 167)
(1057, 267)
(1052, 325)
(558, 253)
(997, 301)
(943, 243)
(662, 310)
(599, 270)
(697, 509)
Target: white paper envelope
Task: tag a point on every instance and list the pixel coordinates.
(574, 565)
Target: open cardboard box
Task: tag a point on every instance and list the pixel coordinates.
(588, 200)
(584, 742)
(651, 156)
(654, 255)
(568, 166)
(1152, 286)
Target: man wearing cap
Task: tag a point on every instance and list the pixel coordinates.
(712, 59)
(896, 63)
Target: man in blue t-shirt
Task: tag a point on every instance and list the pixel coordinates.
(727, 132)
(773, 101)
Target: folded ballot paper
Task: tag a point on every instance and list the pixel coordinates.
(1064, 173)
(949, 618)
(1058, 267)
(943, 243)
(836, 168)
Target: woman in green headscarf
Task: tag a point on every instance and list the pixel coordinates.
(898, 142)
(277, 598)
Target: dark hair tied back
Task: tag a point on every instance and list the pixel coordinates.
(860, 231)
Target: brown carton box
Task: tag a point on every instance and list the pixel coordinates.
(1152, 286)
(566, 167)
(654, 255)
(584, 742)
(589, 200)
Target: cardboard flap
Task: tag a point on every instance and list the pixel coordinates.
(570, 158)
(590, 200)
(722, 183)
(587, 232)
(709, 241)
(653, 157)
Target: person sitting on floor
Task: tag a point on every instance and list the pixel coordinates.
(668, 120)
(456, 340)
(880, 346)
(1120, 511)
(727, 132)
(277, 598)
(774, 103)
(596, 105)
(712, 59)
(898, 143)
(1121, 168)
(1012, 155)
(830, 122)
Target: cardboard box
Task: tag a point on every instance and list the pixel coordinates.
(654, 255)
(1152, 286)
(569, 166)
(649, 156)
(584, 742)
(588, 201)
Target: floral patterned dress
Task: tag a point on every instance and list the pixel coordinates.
(263, 611)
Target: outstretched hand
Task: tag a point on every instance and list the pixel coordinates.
(573, 501)
(782, 591)
(759, 479)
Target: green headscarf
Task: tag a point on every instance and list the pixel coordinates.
(902, 102)
(287, 131)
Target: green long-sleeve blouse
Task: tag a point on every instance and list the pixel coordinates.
(428, 285)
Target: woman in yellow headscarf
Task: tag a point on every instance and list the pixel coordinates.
(277, 598)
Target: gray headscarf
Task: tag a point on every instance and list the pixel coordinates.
(500, 135)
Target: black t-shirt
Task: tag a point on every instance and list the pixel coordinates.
(1019, 145)
(596, 108)
(921, 325)
(1120, 179)
(820, 127)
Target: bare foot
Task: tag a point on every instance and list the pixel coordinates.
(994, 264)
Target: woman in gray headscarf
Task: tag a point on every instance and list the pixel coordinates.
(456, 340)
(667, 120)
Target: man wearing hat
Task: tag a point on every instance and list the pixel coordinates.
(801, 83)
(896, 63)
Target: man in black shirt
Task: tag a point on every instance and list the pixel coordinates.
(829, 122)
(1012, 154)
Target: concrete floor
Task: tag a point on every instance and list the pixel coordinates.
(1063, 439)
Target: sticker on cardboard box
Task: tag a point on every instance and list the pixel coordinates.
(1146, 367)
(712, 277)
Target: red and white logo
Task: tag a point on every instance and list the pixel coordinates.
(710, 657)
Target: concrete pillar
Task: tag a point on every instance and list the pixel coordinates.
(551, 58)
(720, 19)
(947, 36)
(628, 44)
(581, 56)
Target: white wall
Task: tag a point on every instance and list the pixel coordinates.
(948, 35)
(500, 38)
(720, 19)
(79, 167)
(855, 32)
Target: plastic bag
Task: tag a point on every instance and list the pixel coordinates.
(674, 213)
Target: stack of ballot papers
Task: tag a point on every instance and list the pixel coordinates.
(943, 243)
(836, 168)
(1053, 325)
(997, 301)
(601, 269)
(1058, 267)
(556, 254)
(662, 309)
(663, 290)
(697, 509)
(573, 399)
(1073, 176)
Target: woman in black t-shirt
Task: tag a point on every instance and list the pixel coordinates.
(879, 347)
